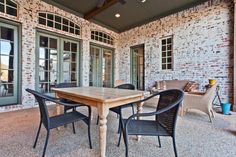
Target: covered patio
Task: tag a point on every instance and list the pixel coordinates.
(98, 45)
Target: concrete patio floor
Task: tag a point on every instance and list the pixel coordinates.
(195, 137)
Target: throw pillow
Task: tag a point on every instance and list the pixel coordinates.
(191, 85)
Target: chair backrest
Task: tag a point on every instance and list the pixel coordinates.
(42, 107)
(170, 98)
(126, 86)
(65, 85)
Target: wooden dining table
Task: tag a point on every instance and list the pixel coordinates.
(103, 99)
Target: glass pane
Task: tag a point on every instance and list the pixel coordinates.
(2, 9)
(169, 60)
(73, 76)
(7, 33)
(43, 76)
(169, 66)
(42, 15)
(163, 66)
(58, 26)
(163, 60)
(72, 30)
(7, 62)
(163, 48)
(6, 90)
(66, 66)
(169, 41)
(169, 53)
(43, 53)
(66, 46)
(163, 42)
(11, 11)
(50, 23)
(163, 54)
(65, 28)
(50, 16)
(53, 77)
(66, 76)
(73, 57)
(43, 41)
(43, 65)
(77, 32)
(44, 87)
(42, 21)
(53, 66)
(65, 22)
(58, 19)
(53, 54)
(73, 47)
(73, 66)
(12, 4)
(6, 48)
(53, 43)
(7, 76)
(66, 57)
(168, 47)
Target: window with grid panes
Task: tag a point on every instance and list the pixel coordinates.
(8, 7)
(102, 37)
(166, 53)
(58, 22)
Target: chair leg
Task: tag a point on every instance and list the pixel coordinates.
(119, 127)
(159, 141)
(37, 136)
(46, 143)
(209, 114)
(126, 144)
(120, 132)
(89, 136)
(89, 122)
(175, 150)
(73, 125)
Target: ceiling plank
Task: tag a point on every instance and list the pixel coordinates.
(97, 10)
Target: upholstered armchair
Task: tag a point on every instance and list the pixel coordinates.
(201, 101)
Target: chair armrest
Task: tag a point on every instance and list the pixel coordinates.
(151, 113)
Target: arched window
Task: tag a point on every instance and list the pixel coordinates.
(102, 37)
(8, 7)
(58, 22)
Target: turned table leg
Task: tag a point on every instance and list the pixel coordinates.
(103, 112)
(139, 110)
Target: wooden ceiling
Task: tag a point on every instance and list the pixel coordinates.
(132, 13)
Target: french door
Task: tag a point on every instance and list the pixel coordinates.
(58, 61)
(137, 66)
(8, 64)
(101, 67)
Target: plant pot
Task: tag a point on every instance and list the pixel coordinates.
(225, 108)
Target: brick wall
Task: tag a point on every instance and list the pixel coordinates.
(202, 46)
(202, 37)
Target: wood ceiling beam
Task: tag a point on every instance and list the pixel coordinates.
(97, 10)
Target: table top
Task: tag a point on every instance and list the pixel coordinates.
(100, 94)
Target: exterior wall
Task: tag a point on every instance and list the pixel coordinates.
(202, 37)
(28, 19)
(202, 46)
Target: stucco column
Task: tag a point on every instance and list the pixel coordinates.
(234, 96)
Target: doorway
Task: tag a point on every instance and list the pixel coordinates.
(101, 67)
(137, 66)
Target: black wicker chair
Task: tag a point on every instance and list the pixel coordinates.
(59, 120)
(68, 85)
(165, 119)
(118, 109)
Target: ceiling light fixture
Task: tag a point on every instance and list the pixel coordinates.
(117, 15)
(143, 1)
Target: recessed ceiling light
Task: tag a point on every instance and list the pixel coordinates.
(117, 15)
(143, 1)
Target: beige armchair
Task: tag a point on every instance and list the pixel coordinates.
(200, 101)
